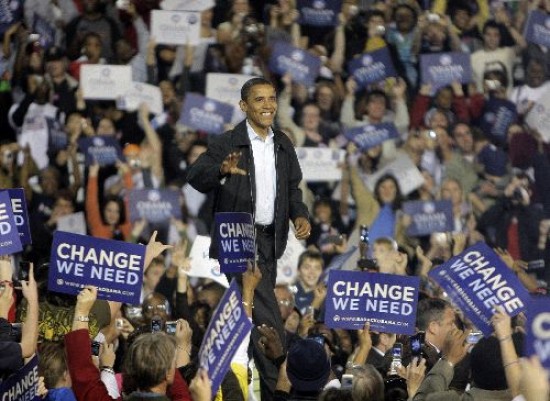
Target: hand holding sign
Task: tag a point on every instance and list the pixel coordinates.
(502, 324)
(230, 165)
(85, 300)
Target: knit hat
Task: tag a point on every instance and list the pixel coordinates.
(307, 365)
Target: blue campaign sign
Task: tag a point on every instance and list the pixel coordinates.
(23, 384)
(442, 69)
(154, 205)
(429, 217)
(227, 329)
(45, 30)
(104, 150)
(387, 301)
(477, 280)
(372, 67)
(115, 267)
(498, 115)
(11, 11)
(537, 341)
(20, 214)
(319, 12)
(236, 241)
(205, 114)
(10, 241)
(301, 65)
(537, 28)
(371, 135)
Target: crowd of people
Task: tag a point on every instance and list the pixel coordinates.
(496, 177)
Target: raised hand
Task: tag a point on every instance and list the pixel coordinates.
(230, 165)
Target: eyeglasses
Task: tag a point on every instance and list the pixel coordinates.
(161, 307)
(285, 302)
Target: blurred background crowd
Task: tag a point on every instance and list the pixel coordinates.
(498, 180)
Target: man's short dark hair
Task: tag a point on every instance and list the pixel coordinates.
(430, 310)
(248, 85)
(492, 24)
(310, 254)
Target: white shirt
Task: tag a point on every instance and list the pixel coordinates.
(265, 176)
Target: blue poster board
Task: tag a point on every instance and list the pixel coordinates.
(387, 301)
(477, 280)
(114, 267)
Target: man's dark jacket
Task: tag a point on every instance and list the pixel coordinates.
(236, 193)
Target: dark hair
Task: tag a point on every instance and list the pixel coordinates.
(500, 75)
(430, 310)
(336, 394)
(52, 363)
(396, 204)
(375, 13)
(408, 7)
(121, 209)
(492, 24)
(376, 93)
(248, 85)
(310, 254)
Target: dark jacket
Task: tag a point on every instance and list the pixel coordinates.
(237, 192)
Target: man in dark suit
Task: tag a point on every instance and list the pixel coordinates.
(254, 169)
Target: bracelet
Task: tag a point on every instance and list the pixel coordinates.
(251, 305)
(505, 338)
(511, 363)
(107, 369)
(82, 318)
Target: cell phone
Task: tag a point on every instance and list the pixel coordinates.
(22, 274)
(156, 325)
(170, 327)
(95, 348)
(474, 337)
(333, 239)
(417, 341)
(364, 234)
(347, 381)
(16, 330)
(120, 324)
(133, 312)
(310, 310)
(397, 350)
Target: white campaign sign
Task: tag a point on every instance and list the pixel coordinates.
(538, 117)
(139, 93)
(202, 265)
(321, 164)
(175, 27)
(287, 265)
(72, 223)
(100, 81)
(187, 5)
(227, 88)
(405, 172)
